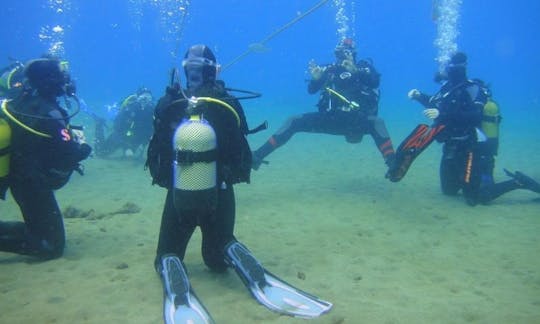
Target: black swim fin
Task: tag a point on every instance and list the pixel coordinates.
(525, 181)
(414, 144)
(270, 291)
(180, 304)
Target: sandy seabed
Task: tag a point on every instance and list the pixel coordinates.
(322, 217)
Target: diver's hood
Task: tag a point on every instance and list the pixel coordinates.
(48, 79)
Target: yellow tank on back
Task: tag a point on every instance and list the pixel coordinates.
(491, 119)
(5, 140)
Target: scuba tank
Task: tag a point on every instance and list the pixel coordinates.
(195, 164)
(491, 120)
(5, 141)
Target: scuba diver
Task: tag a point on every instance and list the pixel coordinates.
(348, 105)
(198, 152)
(11, 80)
(466, 120)
(132, 127)
(40, 151)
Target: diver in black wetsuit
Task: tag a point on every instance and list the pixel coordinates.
(44, 153)
(348, 105)
(214, 213)
(469, 153)
(199, 152)
(132, 127)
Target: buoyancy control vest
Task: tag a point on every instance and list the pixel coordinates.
(234, 164)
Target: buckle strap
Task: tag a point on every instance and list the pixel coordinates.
(190, 156)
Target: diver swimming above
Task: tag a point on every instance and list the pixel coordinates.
(208, 156)
(348, 105)
(466, 120)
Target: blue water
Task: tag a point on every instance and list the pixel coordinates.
(110, 57)
(423, 257)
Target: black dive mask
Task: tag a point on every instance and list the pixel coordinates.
(199, 71)
(194, 76)
(456, 72)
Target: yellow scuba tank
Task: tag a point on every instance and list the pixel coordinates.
(491, 120)
(195, 164)
(5, 141)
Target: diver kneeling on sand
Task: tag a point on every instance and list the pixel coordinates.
(466, 120)
(198, 152)
(39, 151)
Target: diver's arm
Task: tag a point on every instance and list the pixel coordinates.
(317, 81)
(368, 74)
(422, 98)
(64, 147)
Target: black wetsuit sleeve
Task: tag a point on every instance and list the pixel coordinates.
(423, 99)
(64, 151)
(368, 74)
(315, 85)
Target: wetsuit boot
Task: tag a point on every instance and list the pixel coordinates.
(259, 154)
(12, 237)
(387, 151)
(518, 181)
(390, 162)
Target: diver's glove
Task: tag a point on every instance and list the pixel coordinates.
(315, 70)
(431, 113)
(78, 136)
(413, 94)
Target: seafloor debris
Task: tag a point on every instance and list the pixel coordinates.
(91, 214)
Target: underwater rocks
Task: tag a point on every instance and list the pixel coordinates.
(91, 214)
(74, 212)
(128, 208)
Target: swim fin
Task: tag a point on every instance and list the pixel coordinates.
(525, 181)
(180, 304)
(414, 144)
(270, 291)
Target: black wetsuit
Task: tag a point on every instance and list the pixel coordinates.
(39, 165)
(468, 161)
(335, 115)
(233, 166)
(132, 128)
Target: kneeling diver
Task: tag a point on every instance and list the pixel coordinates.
(198, 152)
(38, 153)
